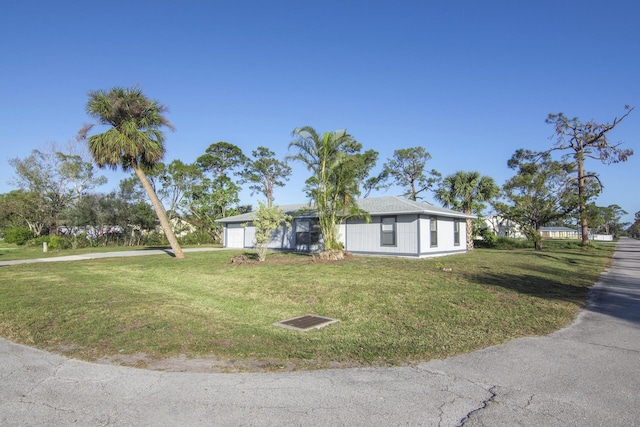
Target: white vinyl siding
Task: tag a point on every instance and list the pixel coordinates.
(366, 237)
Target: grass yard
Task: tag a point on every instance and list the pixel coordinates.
(392, 311)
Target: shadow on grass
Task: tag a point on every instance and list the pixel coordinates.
(534, 285)
(618, 295)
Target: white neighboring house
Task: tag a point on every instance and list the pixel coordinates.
(570, 233)
(559, 233)
(503, 227)
(398, 227)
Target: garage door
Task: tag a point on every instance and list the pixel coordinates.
(235, 236)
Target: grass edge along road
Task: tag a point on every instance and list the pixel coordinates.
(392, 311)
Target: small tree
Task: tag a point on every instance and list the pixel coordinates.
(336, 171)
(587, 140)
(407, 168)
(466, 191)
(266, 220)
(20, 208)
(634, 229)
(59, 180)
(265, 172)
(539, 193)
(217, 194)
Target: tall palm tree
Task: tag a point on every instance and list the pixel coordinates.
(133, 141)
(466, 191)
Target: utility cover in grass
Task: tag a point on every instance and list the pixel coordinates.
(304, 323)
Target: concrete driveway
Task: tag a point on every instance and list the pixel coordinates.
(585, 375)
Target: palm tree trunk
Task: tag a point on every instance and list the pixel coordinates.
(469, 233)
(162, 215)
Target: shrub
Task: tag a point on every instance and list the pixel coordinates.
(154, 238)
(196, 238)
(488, 239)
(18, 235)
(57, 242)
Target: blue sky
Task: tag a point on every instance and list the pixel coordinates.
(471, 81)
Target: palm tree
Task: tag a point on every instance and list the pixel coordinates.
(466, 191)
(134, 140)
(333, 185)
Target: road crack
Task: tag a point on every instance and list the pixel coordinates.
(483, 405)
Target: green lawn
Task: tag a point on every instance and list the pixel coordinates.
(391, 310)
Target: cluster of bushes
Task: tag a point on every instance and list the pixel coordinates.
(491, 241)
(18, 235)
(23, 236)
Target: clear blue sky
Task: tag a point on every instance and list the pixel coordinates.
(471, 81)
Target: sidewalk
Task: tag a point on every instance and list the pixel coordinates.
(139, 252)
(585, 375)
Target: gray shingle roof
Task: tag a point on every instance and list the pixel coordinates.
(389, 205)
(395, 205)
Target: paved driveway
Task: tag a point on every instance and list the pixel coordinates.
(139, 252)
(585, 375)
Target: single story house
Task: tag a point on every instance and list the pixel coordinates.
(559, 233)
(397, 226)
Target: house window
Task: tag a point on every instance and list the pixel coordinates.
(456, 232)
(307, 232)
(388, 231)
(433, 227)
(302, 233)
(314, 232)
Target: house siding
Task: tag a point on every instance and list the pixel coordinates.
(423, 235)
(411, 230)
(281, 238)
(363, 237)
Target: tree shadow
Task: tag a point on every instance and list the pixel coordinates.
(621, 303)
(164, 249)
(617, 294)
(534, 285)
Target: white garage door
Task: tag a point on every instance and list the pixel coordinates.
(235, 236)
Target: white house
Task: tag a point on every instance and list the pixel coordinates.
(559, 233)
(397, 226)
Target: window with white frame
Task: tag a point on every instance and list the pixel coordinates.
(388, 231)
(307, 231)
(456, 232)
(433, 227)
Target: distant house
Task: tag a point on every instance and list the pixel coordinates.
(559, 233)
(397, 226)
(503, 227)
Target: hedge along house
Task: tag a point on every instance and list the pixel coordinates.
(397, 227)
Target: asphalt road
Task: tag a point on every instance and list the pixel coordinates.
(585, 375)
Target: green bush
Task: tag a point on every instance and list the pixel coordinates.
(487, 241)
(196, 238)
(57, 242)
(496, 242)
(18, 235)
(80, 241)
(154, 238)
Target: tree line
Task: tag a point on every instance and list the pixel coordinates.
(56, 195)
